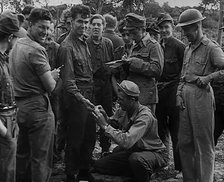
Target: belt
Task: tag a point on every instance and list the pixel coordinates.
(6, 108)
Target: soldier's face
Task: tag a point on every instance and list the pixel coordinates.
(135, 34)
(191, 32)
(79, 25)
(39, 30)
(165, 29)
(123, 101)
(126, 37)
(96, 27)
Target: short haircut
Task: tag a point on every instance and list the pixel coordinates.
(66, 14)
(97, 16)
(39, 14)
(111, 21)
(83, 10)
(27, 9)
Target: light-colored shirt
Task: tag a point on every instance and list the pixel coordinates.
(140, 131)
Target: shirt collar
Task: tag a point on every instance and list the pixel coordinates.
(144, 40)
(204, 40)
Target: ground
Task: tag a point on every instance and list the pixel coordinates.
(165, 175)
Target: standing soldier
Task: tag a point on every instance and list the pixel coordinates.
(196, 100)
(33, 80)
(166, 110)
(77, 79)
(9, 30)
(109, 32)
(145, 62)
(101, 50)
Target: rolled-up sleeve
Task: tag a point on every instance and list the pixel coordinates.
(39, 61)
(135, 133)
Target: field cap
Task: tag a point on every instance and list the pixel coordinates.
(129, 88)
(9, 24)
(134, 21)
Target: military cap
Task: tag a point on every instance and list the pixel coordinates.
(164, 17)
(9, 24)
(129, 88)
(134, 21)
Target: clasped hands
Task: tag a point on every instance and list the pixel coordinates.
(100, 116)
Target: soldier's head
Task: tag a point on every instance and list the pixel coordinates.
(65, 21)
(111, 22)
(26, 12)
(124, 33)
(80, 18)
(165, 25)
(191, 23)
(128, 94)
(10, 29)
(39, 24)
(97, 24)
(136, 26)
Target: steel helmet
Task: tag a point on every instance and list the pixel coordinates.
(189, 16)
(164, 17)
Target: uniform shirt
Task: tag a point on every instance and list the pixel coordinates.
(145, 67)
(28, 61)
(200, 60)
(138, 132)
(100, 54)
(117, 42)
(6, 87)
(173, 59)
(77, 70)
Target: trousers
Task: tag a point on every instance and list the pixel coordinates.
(196, 141)
(80, 135)
(8, 145)
(140, 164)
(35, 141)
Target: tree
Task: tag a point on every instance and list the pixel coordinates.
(206, 3)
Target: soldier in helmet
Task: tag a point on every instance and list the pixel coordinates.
(166, 110)
(195, 99)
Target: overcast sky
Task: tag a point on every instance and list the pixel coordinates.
(172, 3)
(180, 3)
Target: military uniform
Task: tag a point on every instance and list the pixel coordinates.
(146, 63)
(8, 112)
(9, 24)
(100, 54)
(167, 112)
(77, 76)
(140, 150)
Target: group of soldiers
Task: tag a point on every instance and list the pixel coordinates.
(54, 92)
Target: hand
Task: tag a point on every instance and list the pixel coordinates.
(90, 106)
(180, 102)
(100, 108)
(203, 81)
(99, 117)
(55, 74)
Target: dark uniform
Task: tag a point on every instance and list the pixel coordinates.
(166, 110)
(77, 76)
(100, 54)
